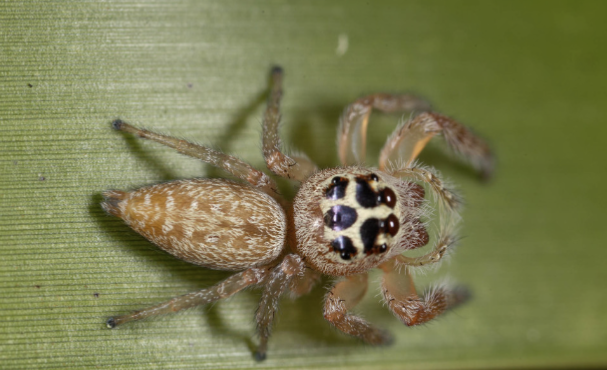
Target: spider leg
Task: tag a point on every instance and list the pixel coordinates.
(228, 163)
(352, 132)
(402, 299)
(343, 297)
(278, 281)
(304, 283)
(410, 138)
(224, 289)
(294, 168)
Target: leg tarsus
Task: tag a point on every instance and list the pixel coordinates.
(277, 70)
(117, 124)
(402, 299)
(110, 323)
(260, 356)
(460, 294)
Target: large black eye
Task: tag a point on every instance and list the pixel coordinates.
(368, 233)
(337, 189)
(365, 195)
(340, 217)
(344, 246)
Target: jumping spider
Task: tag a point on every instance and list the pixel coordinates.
(343, 221)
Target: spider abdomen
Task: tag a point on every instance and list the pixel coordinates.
(215, 223)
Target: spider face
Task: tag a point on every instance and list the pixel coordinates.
(360, 217)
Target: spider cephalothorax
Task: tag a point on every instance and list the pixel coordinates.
(351, 219)
(343, 221)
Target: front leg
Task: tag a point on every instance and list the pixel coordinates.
(343, 297)
(352, 133)
(402, 299)
(228, 163)
(278, 162)
(410, 138)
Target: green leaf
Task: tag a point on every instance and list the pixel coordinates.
(528, 76)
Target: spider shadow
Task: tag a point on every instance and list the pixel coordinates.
(149, 161)
(234, 127)
(314, 133)
(439, 157)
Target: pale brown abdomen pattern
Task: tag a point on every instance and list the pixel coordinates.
(216, 223)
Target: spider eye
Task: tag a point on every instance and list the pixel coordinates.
(365, 195)
(383, 248)
(337, 189)
(391, 225)
(388, 197)
(344, 245)
(340, 217)
(368, 233)
(374, 177)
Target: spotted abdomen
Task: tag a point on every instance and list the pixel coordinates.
(215, 223)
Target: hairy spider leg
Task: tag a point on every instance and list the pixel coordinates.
(344, 296)
(295, 167)
(411, 136)
(352, 132)
(226, 288)
(278, 281)
(228, 163)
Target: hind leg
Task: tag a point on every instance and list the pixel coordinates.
(224, 289)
